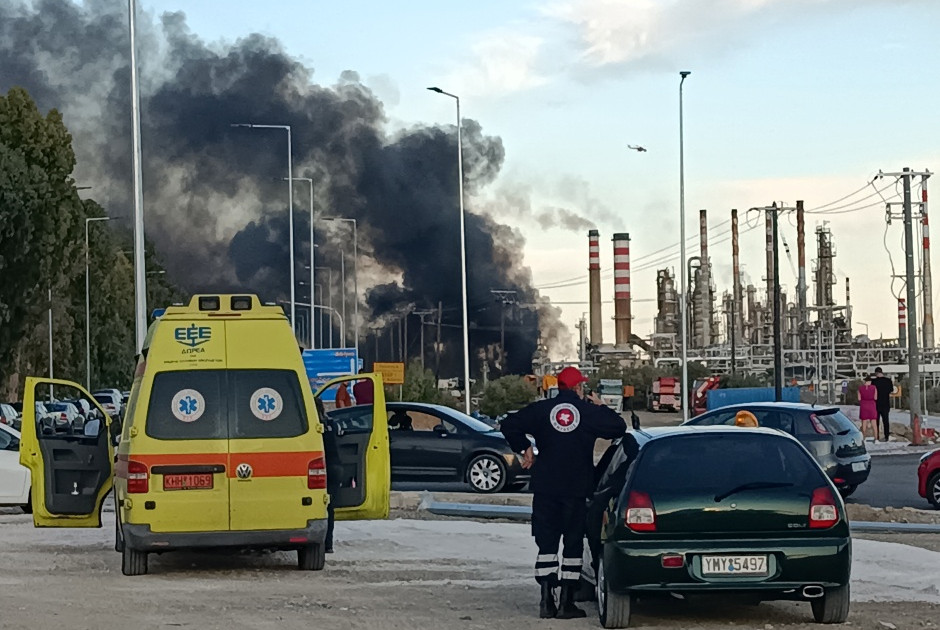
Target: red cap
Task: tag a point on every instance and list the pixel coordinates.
(570, 377)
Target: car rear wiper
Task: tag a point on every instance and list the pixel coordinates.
(754, 485)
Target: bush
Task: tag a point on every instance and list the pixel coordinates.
(421, 386)
(505, 394)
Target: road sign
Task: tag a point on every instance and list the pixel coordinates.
(325, 364)
(392, 373)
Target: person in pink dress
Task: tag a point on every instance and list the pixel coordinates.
(867, 409)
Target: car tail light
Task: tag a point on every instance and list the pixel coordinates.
(823, 512)
(817, 425)
(316, 473)
(640, 515)
(672, 561)
(138, 478)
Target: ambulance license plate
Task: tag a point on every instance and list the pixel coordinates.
(734, 565)
(187, 482)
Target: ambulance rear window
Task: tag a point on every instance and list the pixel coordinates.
(188, 405)
(266, 404)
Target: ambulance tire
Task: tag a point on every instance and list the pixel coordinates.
(118, 537)
(133, 561)
(311, 557)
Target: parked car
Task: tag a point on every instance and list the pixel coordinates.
(14, 478)
(111, 401)
(749, 512)
(437, 443)
(826, 432)
(9, 416)
(928, 478)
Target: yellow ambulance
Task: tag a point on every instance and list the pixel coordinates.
(221, 444)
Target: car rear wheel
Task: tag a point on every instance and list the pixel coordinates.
(486, 473)
(612, 608)
(846, 491)
(933, 490)
(311, 557)
(28, 508)
(833, 606)
(133, 561)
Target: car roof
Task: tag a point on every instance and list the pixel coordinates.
(418, 405)
(779, 405)
(10, 430)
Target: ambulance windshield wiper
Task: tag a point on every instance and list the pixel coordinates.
(754, 485)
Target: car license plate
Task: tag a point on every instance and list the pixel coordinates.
(187, 482)
(734, 565)
(858, 466)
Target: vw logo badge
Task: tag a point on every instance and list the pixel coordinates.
(243, 471)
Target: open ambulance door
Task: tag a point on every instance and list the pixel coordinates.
(66, 446)
(361, 431)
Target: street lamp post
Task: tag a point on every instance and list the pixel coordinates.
(140, 278)
(463, 254)
(329, 301)
(88, 222)
(313, 247)
(290, 209)
(683, 303)
(355, 277)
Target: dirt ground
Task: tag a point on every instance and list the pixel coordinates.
(53, 579)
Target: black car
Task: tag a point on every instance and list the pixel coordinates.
(437, 443)
(699, 510)
(827, 433)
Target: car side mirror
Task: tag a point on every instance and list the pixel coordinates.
(634, 421)
(441, 430)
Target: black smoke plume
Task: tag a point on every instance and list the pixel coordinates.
(214, 200)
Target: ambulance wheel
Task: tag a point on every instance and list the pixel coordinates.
(118, 537)
(133, 561)
(311, 557)
(28, 508)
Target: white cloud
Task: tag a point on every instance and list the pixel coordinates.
(503, 61)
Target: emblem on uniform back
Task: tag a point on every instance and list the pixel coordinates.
(565, 417)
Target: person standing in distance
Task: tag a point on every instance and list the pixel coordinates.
(883, 399)
(565, 429)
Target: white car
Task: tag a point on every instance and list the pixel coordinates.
(14, 479)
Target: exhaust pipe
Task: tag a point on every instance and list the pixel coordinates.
(813, 592)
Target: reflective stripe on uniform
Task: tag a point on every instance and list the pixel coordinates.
(573, 576)
(572, 562)
(544, 571)
(546, 557)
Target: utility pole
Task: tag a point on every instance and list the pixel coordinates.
(912, 349)
(778, 350)
(437, 345)
(506, 297)
(422, 315)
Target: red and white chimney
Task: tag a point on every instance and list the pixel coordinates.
(594, 287)
(622, 316)
(902, 322)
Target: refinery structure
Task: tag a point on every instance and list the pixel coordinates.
(730, 323)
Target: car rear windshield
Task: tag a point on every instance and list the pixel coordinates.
(223, 404)
(710, 463)
(105, 399)
(835, 421)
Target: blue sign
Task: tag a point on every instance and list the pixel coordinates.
(326, 364)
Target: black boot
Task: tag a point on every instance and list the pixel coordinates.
(547, 607)
(567, 608)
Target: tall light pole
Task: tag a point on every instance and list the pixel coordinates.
(88, 222)
(683, 303)
(140, 276)
(329, 301)
(290, 210)
(463, 254)
(355, 277)
(312, 248)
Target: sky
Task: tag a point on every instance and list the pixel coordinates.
(787, 100)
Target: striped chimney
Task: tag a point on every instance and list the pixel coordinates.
(927, 277)
(594, 288)
(902, 322)
(622, 316)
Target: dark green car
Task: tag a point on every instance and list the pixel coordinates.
(718, 509)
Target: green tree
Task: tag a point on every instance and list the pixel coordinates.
(421, 385)
(506, 393)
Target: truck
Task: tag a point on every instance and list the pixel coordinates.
(611, 392)
(664, 394)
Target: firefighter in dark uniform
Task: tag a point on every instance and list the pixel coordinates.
(565, 429)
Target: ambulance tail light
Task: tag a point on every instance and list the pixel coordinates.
(138, 478)
(316, 473)
(640, 515)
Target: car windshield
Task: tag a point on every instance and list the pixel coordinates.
(470, 421)
(726, 461)
(59, 407)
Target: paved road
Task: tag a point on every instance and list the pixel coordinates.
(893, 482)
